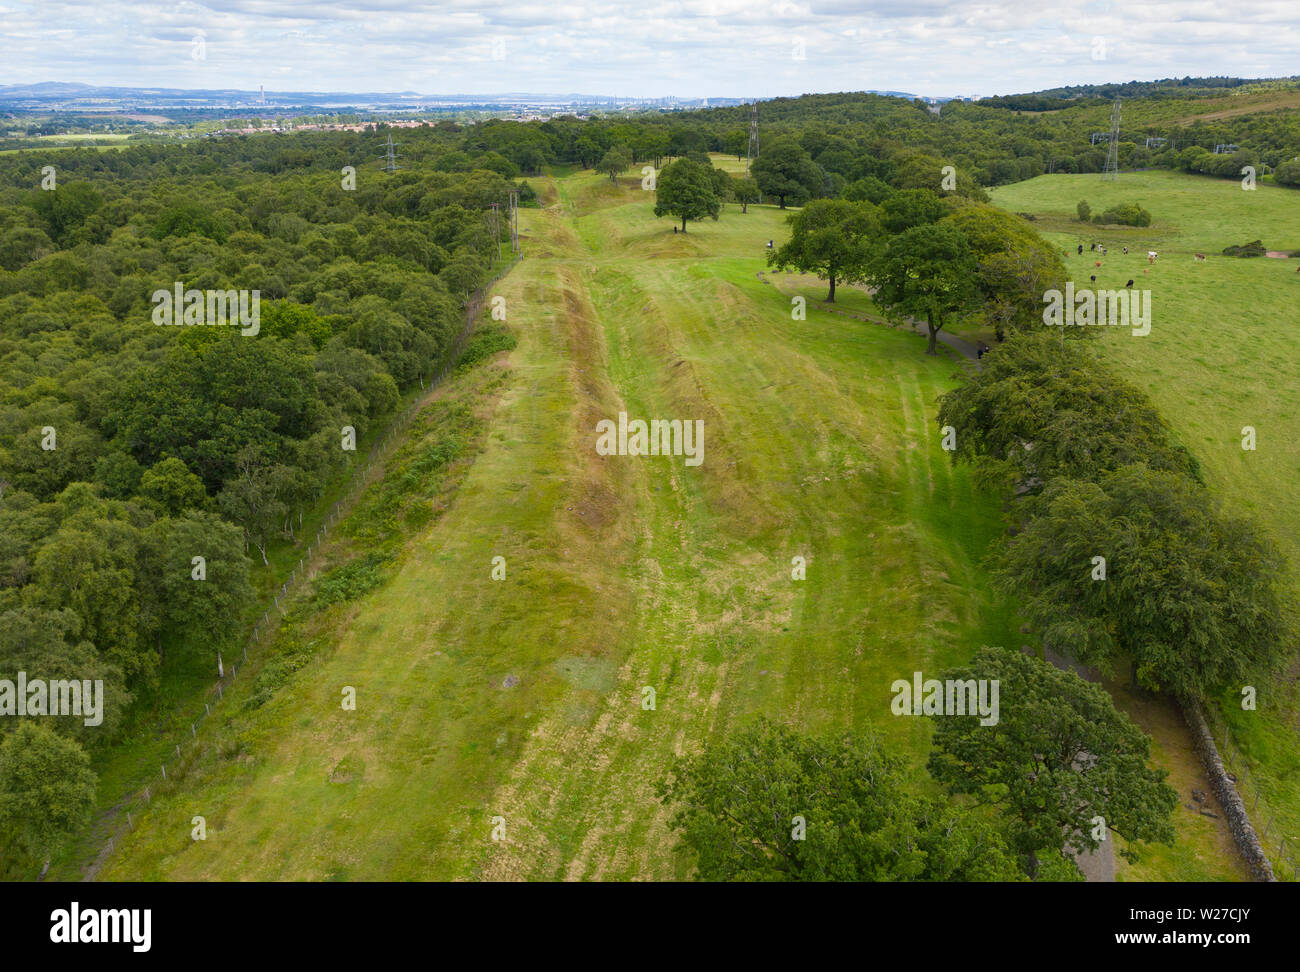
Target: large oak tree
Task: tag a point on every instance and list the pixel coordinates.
(832, 238)
(686, 189)
(925, 271)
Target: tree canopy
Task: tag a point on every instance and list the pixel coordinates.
(615, 161)
(832, 238)
(783, 169)
(773, 805)
(1060, 757)
(686, 190)
(926, 271)
(1188, 593)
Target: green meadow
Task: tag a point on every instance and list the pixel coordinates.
(647, 606)
(1221, 356)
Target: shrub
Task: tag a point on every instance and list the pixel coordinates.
(1288, 173)
(1125, 214)
(484, 344)
(1253, 249)
(351, 580)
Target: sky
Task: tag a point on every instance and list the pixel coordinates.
(644, 48)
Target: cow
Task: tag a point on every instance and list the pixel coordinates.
(1126, 251)
(1198, 257)
(1080, 249)
(1094, 278)
(1152, 256)
(1098, 263)
(1128, 285)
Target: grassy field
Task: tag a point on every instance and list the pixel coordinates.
(1221, 355)
(521, 699)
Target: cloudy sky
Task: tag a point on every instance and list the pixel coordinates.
(645, 48)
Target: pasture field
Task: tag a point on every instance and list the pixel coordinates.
(522, 699)
(728, 163)
(1222, 354)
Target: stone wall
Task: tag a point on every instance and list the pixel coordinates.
(1233, 807)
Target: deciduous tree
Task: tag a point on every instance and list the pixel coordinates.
(1060, 757)
(685, 189)
(925, 271)
(772, 805)
(832, 238)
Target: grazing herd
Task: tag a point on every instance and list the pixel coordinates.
(1099, 248)
(1152, 257)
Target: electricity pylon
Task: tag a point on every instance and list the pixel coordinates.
(1111, 172)
(751, 152)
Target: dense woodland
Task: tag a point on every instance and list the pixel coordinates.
(175, 443)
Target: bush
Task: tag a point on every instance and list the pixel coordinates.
(291, 654)
(1253, 249)
(1084, 210)
(350, 581)
(484, 344)
(1126, 214)
(1288, 173)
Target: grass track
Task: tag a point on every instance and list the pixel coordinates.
(622, 573)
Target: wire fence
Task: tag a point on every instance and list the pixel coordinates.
(134, 806)
(1280, 847)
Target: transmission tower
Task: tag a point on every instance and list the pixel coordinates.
(390, 156)
(751, 152)
(1111, 172)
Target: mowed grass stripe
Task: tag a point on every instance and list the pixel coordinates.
(725, 610)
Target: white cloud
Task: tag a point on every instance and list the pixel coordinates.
(643, 47)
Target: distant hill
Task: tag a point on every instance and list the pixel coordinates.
(1053, 99)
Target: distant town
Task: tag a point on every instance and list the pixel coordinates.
(53, 110)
